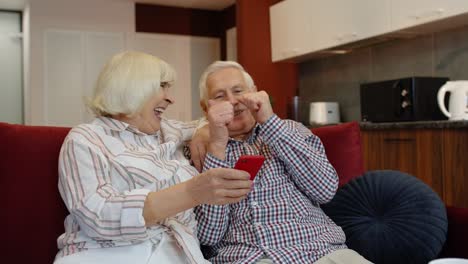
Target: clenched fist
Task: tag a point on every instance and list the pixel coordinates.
(219, 186)
(219, 115)
(259, 104)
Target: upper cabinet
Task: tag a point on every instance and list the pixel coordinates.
(299, 27)
(302, 27)
(416, 12)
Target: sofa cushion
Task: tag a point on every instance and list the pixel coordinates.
(343, 148)
(390, 217)
(34, 212)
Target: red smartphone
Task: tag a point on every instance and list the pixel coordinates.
(250, 164)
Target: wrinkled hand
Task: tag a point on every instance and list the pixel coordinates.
(259, 104)
(219, 186)
(198, 146)
(219, 115)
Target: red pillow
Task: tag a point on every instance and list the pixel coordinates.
(343, 148)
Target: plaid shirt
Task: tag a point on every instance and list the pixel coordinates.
(281, 218)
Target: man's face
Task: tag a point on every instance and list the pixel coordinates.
(228, 85)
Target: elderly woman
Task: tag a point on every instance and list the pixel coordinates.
(124, 178)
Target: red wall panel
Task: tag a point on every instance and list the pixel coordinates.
(279, 80)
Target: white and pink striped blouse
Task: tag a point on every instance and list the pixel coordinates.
(106, 169)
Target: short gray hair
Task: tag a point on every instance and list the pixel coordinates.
(127, 81)
(216, 66)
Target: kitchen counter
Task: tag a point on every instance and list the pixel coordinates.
(416, 124)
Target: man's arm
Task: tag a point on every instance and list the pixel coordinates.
(297, 147)
(304, 157)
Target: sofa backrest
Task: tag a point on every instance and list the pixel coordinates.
(343, 148)
(34, 211)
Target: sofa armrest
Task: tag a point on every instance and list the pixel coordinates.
(457, 236)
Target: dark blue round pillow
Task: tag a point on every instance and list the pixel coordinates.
(390, 217)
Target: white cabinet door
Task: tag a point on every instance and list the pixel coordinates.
(289, 29)
(63, 78)
(189, 56)
(204, 51)
(175, 50)
(408, 13)
(299, 27)
(337, 22)
(72, 62)
(99, 48)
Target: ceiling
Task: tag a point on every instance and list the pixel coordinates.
(198, 4)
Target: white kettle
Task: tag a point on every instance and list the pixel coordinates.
(458, 103)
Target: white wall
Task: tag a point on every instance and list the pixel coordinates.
(82, 15)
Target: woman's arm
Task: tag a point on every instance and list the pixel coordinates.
(104, 212)
(101, 209)
(216, 187)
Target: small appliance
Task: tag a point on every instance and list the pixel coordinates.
(458, 103)
(406, 99)
(324, 113)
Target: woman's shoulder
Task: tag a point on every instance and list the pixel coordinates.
(85, 131)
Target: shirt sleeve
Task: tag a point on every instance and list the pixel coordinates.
(186, 129)
(102, 212)
(304, 157)
(213, 220)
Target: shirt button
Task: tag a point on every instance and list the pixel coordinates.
(254, 204)
(266, 247)
(257, 224)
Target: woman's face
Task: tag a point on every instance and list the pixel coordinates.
(148, 120)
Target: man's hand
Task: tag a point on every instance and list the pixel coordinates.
(259, 104)
(219, 116)
(219, 186)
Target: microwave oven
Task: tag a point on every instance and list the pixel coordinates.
(399, 100)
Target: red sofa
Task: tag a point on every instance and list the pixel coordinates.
(34, 212)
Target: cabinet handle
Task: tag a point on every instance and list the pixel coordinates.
(389, 140)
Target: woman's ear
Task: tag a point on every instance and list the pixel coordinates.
(254, 88)
(203, 106)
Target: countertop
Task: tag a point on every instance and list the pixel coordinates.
(415, 124)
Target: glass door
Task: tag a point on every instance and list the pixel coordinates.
(11, 83)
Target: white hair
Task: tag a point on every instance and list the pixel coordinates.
(216, 66)
(127, 81)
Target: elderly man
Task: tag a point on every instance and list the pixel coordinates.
(280, 221)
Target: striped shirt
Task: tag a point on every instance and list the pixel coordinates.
(281, 218)
(106, 170)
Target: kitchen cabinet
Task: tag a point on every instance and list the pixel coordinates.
(406, 13)
(455, 167)
(438, 157)
(299, 27)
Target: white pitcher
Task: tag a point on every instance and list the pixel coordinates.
(458, 103)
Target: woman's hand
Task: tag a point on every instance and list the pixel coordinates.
(219, 186)
(198, 146)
